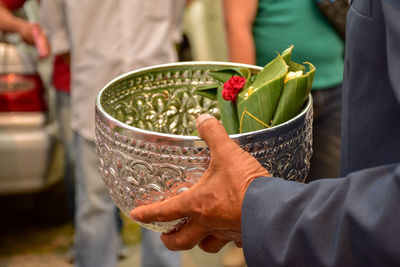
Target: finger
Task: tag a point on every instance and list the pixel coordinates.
(40, 41)
(211, 131)
(211, 244)
(168, 210)
(186, 238)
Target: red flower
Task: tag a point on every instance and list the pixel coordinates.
(232, 87)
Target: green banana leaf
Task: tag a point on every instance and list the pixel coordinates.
(228, 113)
(256, 111)
(268, 98)
(224, 75)
(287, 54)
(270, 71)
(258, 102)
(273, 69)
(312, 70)
(294, 95)
(293, 66)
(209, 91)
(246, 73)
(227, 109)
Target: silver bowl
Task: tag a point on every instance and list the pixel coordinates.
(140, 165)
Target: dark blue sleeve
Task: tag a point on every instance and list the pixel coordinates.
(351, 221)
(371, 86)
(391, 11)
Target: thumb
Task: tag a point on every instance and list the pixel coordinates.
(211, 131)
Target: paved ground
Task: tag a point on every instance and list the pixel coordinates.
(35, 232)
(192, 258)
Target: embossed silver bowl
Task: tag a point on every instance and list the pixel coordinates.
(143, 124)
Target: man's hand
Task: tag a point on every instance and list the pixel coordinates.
(214, 204)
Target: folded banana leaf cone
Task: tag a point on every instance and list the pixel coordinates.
(253, 102)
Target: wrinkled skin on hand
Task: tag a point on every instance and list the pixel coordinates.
(214, 204)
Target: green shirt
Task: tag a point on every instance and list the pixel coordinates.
(280, 23)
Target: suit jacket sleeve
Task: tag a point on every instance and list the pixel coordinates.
(351, 221)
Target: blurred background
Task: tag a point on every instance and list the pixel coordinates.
(36, 228)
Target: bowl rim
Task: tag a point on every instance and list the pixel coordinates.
(125, 126)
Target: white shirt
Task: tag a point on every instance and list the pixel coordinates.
(53, 23)
(110, 37)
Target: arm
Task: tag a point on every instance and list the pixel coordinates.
(332, 222)
(30, 33)
(11, 23)
(239, 17)
(391, 11)
(351, 221)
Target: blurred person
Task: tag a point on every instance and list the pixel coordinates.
(60, 77)
(52, 21)
(52, 25)
(106, 39)
(257, 29)
(348, 221)
(31, 33)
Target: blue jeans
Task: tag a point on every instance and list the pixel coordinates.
(96, 232)
(155, 254)
(66, 136)
(96, 226)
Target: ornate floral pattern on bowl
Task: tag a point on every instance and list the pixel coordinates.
(146, 153)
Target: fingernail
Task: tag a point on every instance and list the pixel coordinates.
(202, 118)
